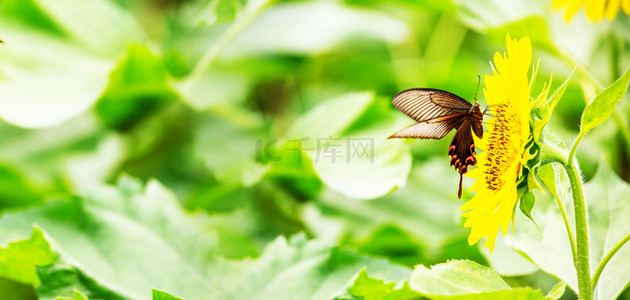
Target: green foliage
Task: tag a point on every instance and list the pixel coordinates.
(237, 149)
(20, 259)
(603, 105)
(462, 279)
(159, 295)
(374, 289)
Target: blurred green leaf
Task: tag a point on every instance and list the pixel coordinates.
(362, 164)
(19, 260)
(136, 87)
(13, 290)
(116, 233)
(316, 26)
(41, 74)
(159, 295)
(604, 103)
(209, 12)
(101, 26)
(79, 296)
(16, 190)
(229, 149)
(33, 15)
(68, 282)
(368, 288)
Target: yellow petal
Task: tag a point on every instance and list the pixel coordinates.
(612, 9)
(574, 6)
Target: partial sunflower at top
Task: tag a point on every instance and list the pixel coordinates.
(595, 10)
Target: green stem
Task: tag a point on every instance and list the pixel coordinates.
(555, 155)
(580, 246)
(574, 148)
(606, 259)
(581, 260)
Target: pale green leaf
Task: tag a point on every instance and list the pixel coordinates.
(80, 20)
(359, 164)
(41, 74)
(456, 277)
(463, 279)
(608, 199)
(316, 26)
(506, 261)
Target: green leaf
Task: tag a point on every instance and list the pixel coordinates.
(137, 87)
(205, 13)
(368, 288)
(68, 282)
(456, 277)
(608, 199)
(79, 296)
(19, 260)
(526, 204)
(41, 74)
(123, 242)
(229, 148)
(604, 103)
(268, 35)
(10, 289)
(464, 279)
(17, 191)
(79, 20)
(557, 291)
(339, 151)
(159, 295)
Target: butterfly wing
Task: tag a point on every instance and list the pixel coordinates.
(434, 129)
(426, 104)
(462, 150)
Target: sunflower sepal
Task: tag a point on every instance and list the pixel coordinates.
(526, 205)
(543, 105)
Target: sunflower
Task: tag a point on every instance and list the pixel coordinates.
(499, 166)
(595, 10)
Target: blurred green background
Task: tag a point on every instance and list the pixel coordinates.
(149, 140)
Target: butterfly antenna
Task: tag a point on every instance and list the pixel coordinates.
(477, 90)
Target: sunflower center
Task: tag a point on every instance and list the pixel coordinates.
(502, 152)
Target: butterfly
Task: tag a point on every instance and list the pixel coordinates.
(437, 113)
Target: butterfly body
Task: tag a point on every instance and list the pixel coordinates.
(437, 113)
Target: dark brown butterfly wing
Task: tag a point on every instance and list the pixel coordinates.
(437, 113)
(426, 104)
(434, 129)
(462, 149)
